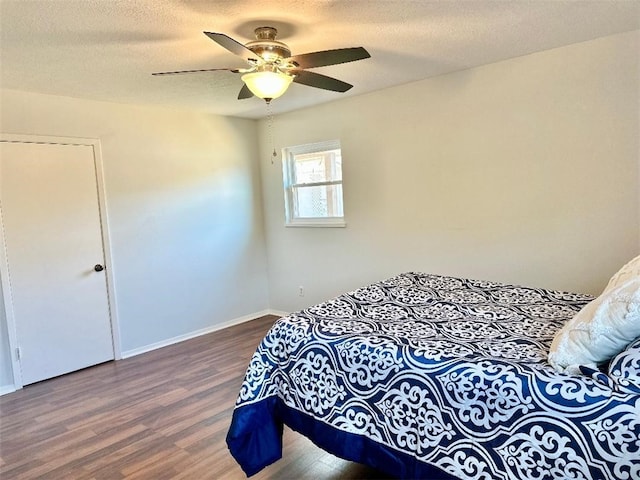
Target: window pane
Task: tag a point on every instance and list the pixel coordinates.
(318, 201)
(318, 167)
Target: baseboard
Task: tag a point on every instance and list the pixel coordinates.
(4, 389)
(278, 313)
(196, 333)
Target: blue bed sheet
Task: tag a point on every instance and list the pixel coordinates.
(426, 376)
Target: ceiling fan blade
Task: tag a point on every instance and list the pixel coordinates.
(232, 45)
(329, 57)
(179, 72)
(244, 93)
(317, 80)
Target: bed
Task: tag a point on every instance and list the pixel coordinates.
(435, 377)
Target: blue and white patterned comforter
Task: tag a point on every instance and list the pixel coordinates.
(424, 376)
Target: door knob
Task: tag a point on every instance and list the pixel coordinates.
(98, 268)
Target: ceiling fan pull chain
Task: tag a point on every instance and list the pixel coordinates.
(270, 129)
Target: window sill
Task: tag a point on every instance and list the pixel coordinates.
(317, 223)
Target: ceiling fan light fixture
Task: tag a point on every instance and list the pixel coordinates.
(267, 84)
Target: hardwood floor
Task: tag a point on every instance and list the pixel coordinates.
(160, 415)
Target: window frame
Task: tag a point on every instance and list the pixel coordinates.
(288, 172)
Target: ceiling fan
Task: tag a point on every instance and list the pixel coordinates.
(272, 68)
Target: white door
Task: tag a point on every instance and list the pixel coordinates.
(53, 240)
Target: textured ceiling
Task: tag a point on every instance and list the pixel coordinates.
(107, 49)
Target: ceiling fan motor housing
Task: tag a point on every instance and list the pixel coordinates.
(267, 47)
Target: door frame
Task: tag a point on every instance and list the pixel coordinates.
(106, 247)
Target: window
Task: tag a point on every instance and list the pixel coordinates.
(313, 185)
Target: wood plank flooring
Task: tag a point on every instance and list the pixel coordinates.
(160, 415)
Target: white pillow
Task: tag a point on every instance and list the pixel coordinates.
(604, 327)
(628, 272)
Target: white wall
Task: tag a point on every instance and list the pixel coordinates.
(524, 171)
(183, 196)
